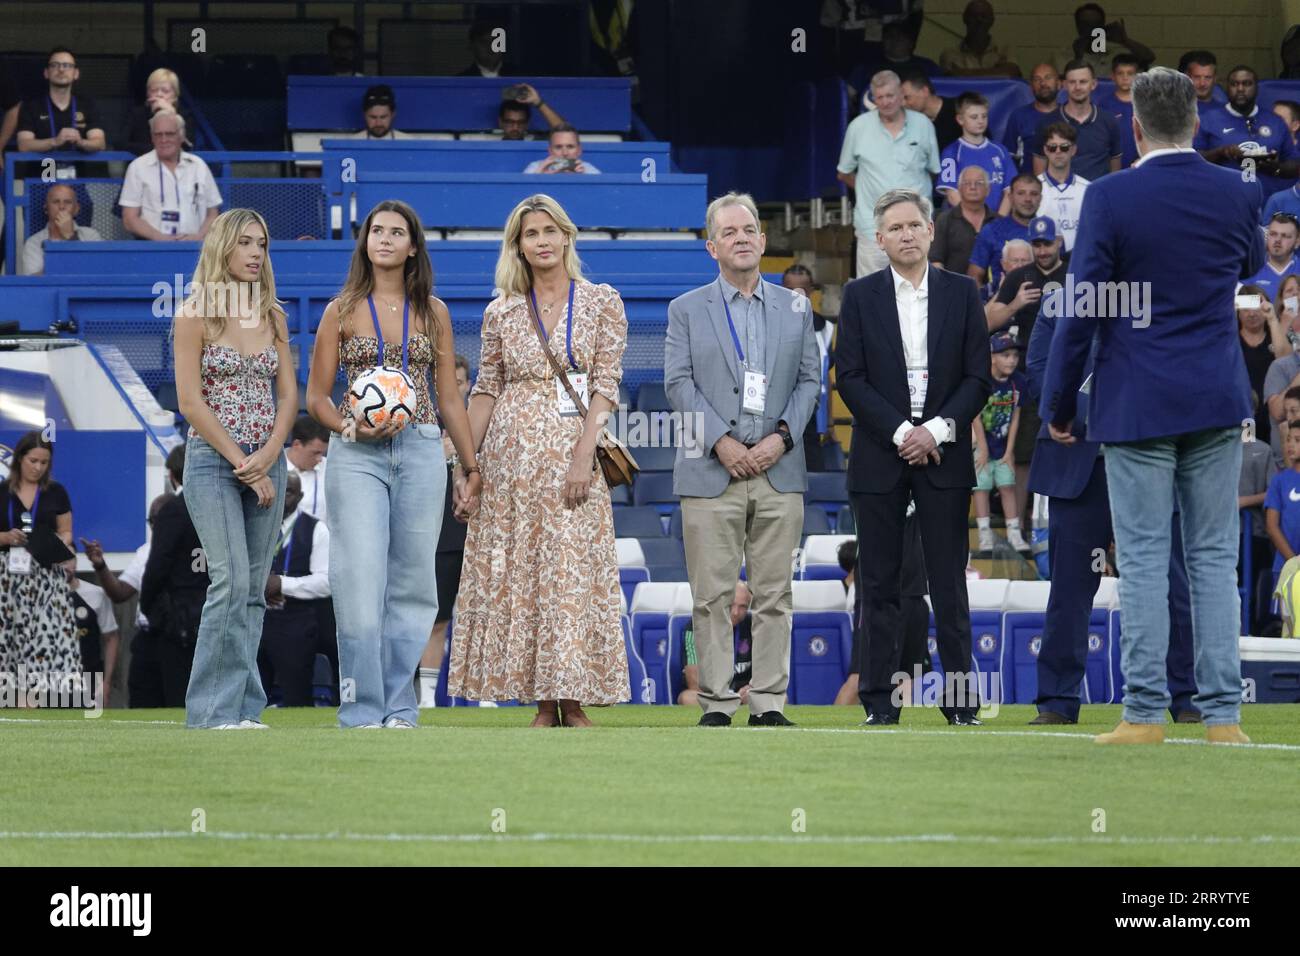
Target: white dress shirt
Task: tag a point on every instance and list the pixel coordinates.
(316, 584)
(133, 577)
(188, 193)
(313, 488)
(914, 324)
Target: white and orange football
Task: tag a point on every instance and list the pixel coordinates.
(382, 395)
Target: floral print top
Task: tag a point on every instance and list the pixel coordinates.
(238, 390)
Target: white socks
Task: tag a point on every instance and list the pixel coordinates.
(428, 685)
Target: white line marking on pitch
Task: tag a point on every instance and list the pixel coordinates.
(861, 732)
(664, 838)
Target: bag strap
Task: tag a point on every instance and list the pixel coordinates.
(555, 364)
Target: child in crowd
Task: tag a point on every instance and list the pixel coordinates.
(995, 441)
(974, 148)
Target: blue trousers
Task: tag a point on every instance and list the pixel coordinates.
(1077, 528)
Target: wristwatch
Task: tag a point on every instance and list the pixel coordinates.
(786, 437)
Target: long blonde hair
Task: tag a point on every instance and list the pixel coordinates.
(514, 276)
(417, 273)
(213, 284)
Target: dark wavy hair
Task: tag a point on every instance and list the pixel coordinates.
(417, 271)
(30, 441)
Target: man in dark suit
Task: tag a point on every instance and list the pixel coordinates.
(1073, 477)
(1169, 394)
(913, 366)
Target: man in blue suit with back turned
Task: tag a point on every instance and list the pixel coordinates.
(1073, 477)
(1156, 258)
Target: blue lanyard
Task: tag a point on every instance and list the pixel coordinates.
(176, 178)
(36, 503)
(568, 322)
(49, 104)
(406, 328)
(315, 483)
(731, 325)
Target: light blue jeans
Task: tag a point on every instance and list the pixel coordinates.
(1204, 467)
(239, 540)
(384, 512)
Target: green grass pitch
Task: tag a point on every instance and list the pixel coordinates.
(476, 786)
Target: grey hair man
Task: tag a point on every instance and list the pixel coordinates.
(885, 148)
(741, 358)
(912, 361)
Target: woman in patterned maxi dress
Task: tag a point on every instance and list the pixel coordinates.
(537, 617)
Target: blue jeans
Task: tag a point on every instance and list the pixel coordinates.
(1205, 468)
(384, 512)
(239, 540)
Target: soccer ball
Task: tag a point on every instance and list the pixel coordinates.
(382, 395)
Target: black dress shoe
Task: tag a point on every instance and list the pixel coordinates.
(715, 719)
(963, 719)
(877, 719)
(1050, 717)
(773, 718)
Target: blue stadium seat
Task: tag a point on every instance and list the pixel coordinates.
(655, 459)
(652, 606)
(637, 522)
(815, 521)
(641, 685)
(655, 488)
(671, 571)
(651, 397)
(833, 456)
(827, 490)
(821, 642)
(620, 495)
(292, 207)
(629, 578)
(1022, 636)
(675, 525)
(676, 662)
(662, 551)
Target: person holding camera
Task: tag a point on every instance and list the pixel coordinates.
(564, 154)
(516, 110)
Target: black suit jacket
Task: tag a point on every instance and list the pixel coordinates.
(871, 376)
(173, 552)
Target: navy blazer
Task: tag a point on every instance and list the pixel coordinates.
(1056, 470)
(871, 376)
(1185, 232)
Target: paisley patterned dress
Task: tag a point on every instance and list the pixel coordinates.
(537, 616)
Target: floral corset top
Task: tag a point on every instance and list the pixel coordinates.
(358, 354)
(238, 389)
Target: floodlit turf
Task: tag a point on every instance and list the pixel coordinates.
(646, 786)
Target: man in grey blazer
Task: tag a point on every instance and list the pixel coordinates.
(741, 360)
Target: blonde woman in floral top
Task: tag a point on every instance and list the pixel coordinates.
(235, 382)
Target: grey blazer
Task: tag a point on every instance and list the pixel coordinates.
(702, 377)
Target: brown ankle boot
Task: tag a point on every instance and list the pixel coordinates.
(571, 715)
(547, 715)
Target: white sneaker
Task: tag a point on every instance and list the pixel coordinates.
(987, 541)
(225, 727)
(398, 723)
(1016, 541)
(249, 723)
(366, 727)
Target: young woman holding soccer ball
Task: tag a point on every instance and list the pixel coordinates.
(386, 482)
(235, 383)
